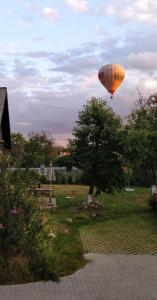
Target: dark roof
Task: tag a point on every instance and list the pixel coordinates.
(4, 118)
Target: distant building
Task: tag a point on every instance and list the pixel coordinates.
(5, 136)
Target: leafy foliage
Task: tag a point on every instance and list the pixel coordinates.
(65, 161)
(24, 231)
(97, 146)
(36, 150)
(18, 148)
(141, 141)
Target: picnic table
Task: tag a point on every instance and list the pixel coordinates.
(51, 200)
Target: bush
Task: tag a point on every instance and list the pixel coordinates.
(70, 179)
(24, 233)
(29, 176)
(60, 179)
(42, 260)
(43, 179)
(63, 180)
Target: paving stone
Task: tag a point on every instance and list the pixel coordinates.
(105, 277)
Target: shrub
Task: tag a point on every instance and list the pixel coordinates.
(24, 233)
(42, 260)
(43, 179)
(63, 180)
(70, 179)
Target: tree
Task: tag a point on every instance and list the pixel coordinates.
(65, 161)
(97, 146)
(141, 140)
(39, 150)
(18, 148)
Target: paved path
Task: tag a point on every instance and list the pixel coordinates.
(106, 277)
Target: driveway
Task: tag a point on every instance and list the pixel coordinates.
(105, 277)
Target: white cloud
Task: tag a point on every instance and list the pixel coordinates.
(29, 83)
(78, 5)
(23, 124)
(150, 84)
(143, 61)
(89, 81)
(51, 14)
(139, 10)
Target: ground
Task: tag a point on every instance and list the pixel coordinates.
(124, 224)
(120, 240)
(105, 277)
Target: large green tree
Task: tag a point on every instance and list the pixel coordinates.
(18, 148)
(39, 150)
(141, 140)
(97, 146)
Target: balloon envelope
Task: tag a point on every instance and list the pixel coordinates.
(111, 76)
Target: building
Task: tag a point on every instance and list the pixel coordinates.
(5, 136)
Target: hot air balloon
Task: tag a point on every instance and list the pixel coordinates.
(111, 76)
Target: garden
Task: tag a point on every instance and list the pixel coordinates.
(98, 215)
(123, 223)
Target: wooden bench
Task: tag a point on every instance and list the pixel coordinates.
(42, 190)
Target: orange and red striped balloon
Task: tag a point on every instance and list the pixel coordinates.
(111, 76)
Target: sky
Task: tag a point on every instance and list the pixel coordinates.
(51, 52)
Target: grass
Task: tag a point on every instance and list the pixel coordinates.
(128, 226)
(125, 224)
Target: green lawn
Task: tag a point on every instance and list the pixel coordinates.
(125, 224)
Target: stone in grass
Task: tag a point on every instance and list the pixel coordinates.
(83, 217)
(66, 231)
(69, 221)
(93, 205)
(85, 206)
(94, 215)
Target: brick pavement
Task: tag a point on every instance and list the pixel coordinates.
(105, 277)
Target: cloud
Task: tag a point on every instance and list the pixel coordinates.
(23, 124)
(77, 65)
(51, 14)
(143, 61)
(55, 112)
(39, 38)
(89, 81)
(139, 10)
(37, 54)
(141, 40)
(24, 70)
(78, 5)
(47, 89)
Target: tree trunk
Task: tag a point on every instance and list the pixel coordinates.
(91, 189)
(90, 194)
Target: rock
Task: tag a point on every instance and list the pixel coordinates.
(69, 220)
(93, 215)
(66, 231)
(83, 217)
(85, 207)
